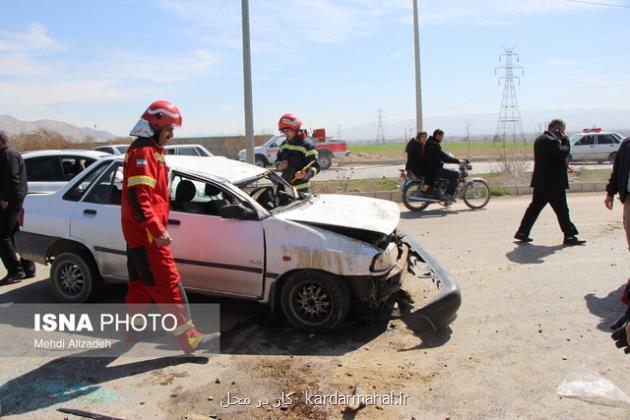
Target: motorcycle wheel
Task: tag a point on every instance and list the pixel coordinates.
(476, 193)
(409, 190)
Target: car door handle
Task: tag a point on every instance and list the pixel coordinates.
(89, 211)
(174, 222)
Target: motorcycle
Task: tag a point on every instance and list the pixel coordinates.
(474, 191)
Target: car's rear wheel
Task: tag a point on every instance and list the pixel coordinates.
(73, 277)
(315, 301)
(612, 157)
(261, 161)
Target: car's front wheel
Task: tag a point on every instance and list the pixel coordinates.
(315, 301)
(73, 277)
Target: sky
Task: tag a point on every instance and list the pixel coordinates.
(332, 62)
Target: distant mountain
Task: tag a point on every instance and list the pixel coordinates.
(73, 133)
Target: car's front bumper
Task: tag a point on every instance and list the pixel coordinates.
(440, 310)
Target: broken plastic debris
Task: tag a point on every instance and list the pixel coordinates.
(584, 383)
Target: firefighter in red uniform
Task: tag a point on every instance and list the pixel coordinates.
(297, 158)
(153, 276)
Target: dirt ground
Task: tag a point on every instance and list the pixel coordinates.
(531, 314)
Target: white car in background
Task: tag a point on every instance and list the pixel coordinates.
(242, 231)
(172, 149)
(49, 170)
(594, 145)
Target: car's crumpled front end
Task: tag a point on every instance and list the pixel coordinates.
(409, 271)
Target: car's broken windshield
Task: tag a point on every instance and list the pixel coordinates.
(272, 192)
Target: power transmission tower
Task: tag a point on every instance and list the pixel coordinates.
(380, 134)
(509, 125)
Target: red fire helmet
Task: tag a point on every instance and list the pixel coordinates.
(161, 114)
(289, 121)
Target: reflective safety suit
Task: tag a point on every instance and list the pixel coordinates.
(153, 276)
(299, 153)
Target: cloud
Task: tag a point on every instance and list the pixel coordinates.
(163, 69)
(34, 40)
(560, 61)
(28, 94)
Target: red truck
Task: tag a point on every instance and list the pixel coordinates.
(328, 149)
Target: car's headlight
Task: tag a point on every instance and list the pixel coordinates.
(386, 259)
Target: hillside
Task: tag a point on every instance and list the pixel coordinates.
(72, 133)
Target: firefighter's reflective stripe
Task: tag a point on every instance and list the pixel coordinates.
(302, 149)
(302, 186)
(311, 153)
(182, 328)
(134, 181)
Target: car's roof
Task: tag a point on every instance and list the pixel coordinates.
(93, 154)
(595, 133)
(113, 145)
(175, 146)
(214, 166)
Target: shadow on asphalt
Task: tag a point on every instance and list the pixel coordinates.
(527, 253)
(608, 308)
(67, 378)
(247, 327)
(437, 212)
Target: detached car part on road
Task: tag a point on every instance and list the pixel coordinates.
(242, 231)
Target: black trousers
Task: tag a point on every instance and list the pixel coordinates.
(452, 177)
(558, 202)
(8, 253)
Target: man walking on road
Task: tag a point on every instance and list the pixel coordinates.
(618, 184)
(550, 182)
(13, 188)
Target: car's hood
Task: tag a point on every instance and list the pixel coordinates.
(347, 211)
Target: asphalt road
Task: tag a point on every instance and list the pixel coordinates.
(392, 171)
(531, 315)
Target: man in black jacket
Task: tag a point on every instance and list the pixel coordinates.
(435, 159)
(550, 182)
(415, 154)
(618, 183)
(13, 189)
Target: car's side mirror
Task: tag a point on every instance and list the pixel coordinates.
(237, 211)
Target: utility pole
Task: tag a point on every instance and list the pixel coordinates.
(509, 124)
(416, 43)
(380, 133)
(247, 82)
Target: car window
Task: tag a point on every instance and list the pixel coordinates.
(190, 195)
(79, 189)
(585, 141)
(73, 165)
(187, 151)
(105, 149)
(202, 152)
(605, 139)
(44, 169)
(122, 149)
(108, 188)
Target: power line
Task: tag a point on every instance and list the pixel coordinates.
(595, 3)
(380, 133)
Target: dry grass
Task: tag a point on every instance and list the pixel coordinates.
(46, 139)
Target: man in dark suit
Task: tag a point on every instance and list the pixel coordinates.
(13, 189)
(550, 182)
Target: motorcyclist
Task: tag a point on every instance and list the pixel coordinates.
(435, 159)
(297, 158)
(415, 166)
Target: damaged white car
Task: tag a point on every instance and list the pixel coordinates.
(241, 231)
